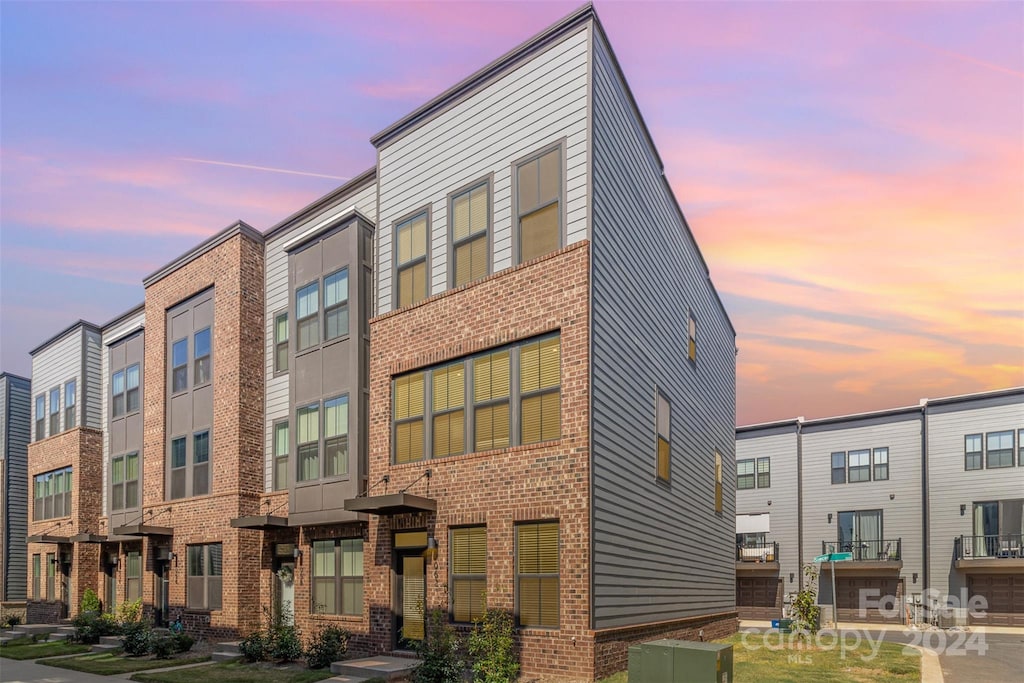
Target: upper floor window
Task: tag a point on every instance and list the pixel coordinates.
(880, 457)
(691, 337)
(281, 342)
(201, 463)
(179, 466)
(478, 400)
(664, 453)
(839, 467)
(124, 389)
(764, 473)
(307, 315)
(336, 305)
(124, 480)
(179, 366)
(858, 466)
(203, 590)
(537, 574)
(470, 212)
(719, 493)
(411, 260)
(336, 436)
(280, 456)
(338, 576)
(40, 417)
(972, 452)
(999, 449)
(468, 573)
(335, 425)
(201, 350)
(307, 431)
(190, 476)
(54, 411)
(745, 475)
(70, 399)
(538, 204)
(52, 494)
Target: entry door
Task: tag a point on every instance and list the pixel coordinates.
(110, 588)
(161, 587)
(65, 590)
(284, 592)
(410, 596)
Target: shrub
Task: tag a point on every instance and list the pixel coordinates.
(162, 647)
(129, 612)
(439, 651)
(91, 626)
(136, 638)
(182, 642)
(285, 644)
(493, 648)
(255, 647)
(806, 612)
(327, 645)
(90, 601)
(12, 620)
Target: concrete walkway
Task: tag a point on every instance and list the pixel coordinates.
(28, 671)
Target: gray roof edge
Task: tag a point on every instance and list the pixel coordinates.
(121, 317)
(65, 332)
(11, 375)
(349, 214)
(239, 227)
(775, 424)
(337, 193)
(499, 65)
(977, 396)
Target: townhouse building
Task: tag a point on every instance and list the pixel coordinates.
(490, 371)
(15, 426)
(926, 499)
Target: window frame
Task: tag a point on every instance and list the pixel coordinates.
(691, 336)
(456, 578)
(861, 469)
(518, 575)
(875, 464)
(518, 214)
(54, 413)
(660, 438)
(342, 305)
(487, 234)
(338, 577)
(543, 391)
(207, 579)
(201, 466)
(752, 474)
(448, 411)
(838, 470)
(969, 456)
(312, 320)
(343, 403)
(178, 368)
(125, 482)
(133, 582)
(198, 361)
(118, 398)
(398, 267)
(51, 576)
(172, 468)
(767, 472)
(48, 482)
(40, 426)
(308, 408)
(281, 343)
(1001, 452)
(70, 409)
(37, 571)
(275, 484)
(128, 389)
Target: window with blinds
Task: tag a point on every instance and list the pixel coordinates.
(307, 315)
(409, 393)
(411, 260)
(469, 573)
(691, 337)
(338, 576)
(491, 390)
(664, 434)
(124, 478)
(281, 456)
(470, 212)
(537, 590)
(281, 342)
(718, 482)
(204, 582)
(538, 204)
(133, 575)
(539, 386)
(336, 436)
(307, 431)
(449, 400)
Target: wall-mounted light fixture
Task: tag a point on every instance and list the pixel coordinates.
(892, 496)
(431, 551)
(769, 502)
(915, 577)
(963, 509)
(791, 577)
(296, 552)
(830, 518)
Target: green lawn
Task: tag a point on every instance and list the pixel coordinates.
(753, 661)
(108, 664)
(25, 648)
(237, 672)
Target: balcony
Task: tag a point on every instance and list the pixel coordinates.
(883, 554)
(757, 557)
(995, 552)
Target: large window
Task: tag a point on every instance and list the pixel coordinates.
(280, 456)
(411, 260)
(663, 457)
(537, 573)
(52, 494)
(201, 350)
(860, 532)
(858, 466)
(468, 573)
(307, 421)
(190, 476)
(470, 212)
(307, 315)
(179, 366)
(973, 452)
(54, 411)
(880, 464)
(124, 479)
(745, 478)
(124, 390)
(70, 399)
(338, 576)
(133, 575)
(40, 417)
(203, 590)
(538, 204)
(332, 441)
(336, 305)
(281, 342)
(999, 449)
(479, 401)
(336, 436)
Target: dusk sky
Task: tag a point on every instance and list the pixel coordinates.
(853, 172)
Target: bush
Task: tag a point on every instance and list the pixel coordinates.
(129, 612)
(182, 642)
(255, 647)
(91, 626)
(90, 601)
(493, 648)
(285, 644)
(439, 651)
(806, 612)
(12, 620)
(162, 647)
(136, 638)
(327, 645)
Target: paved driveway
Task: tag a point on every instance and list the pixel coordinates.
(961, 661)
(14, 671)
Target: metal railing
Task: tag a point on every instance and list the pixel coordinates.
(874, 550)
(994, 545)
(767, 551)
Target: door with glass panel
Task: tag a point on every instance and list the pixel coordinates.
(860, 533)
(410, 588)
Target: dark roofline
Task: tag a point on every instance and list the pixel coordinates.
(239, 227)
(536, 43)
(793, 422)
(856, 417)
(63, 333)
(122, 317)
(11, 375)
(355, 183)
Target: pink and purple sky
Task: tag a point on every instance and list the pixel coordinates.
(854, 172)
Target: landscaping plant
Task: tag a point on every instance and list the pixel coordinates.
(327, 645)
(492, 646)
(136, 638)
(805, 609)
(91, 626)
(439, 651)
(128, 612)
(90, 601)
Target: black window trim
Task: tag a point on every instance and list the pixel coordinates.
(73, 382)
(275, 456)
(980, 452)
(305, 319)
(875, 452)
(758, 472)
(833, 469)
(988, 451)
(452, 576)
(324, 340)
(516, 575)
(850, 467)
(339, 577)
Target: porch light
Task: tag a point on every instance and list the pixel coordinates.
(296, 552)
(830, 518)
(431, 551)
(963, 509)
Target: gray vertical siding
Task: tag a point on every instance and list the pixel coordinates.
(111, 334)
(542, 101)
(89, 388)
(276, 282)
(949, 486)
(659, 552)
(15, 414)
(54, 365)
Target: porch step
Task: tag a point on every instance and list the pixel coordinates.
(59, 635)
(227, 651)
(385, 666)
(346, 679)
(32, 629)
(104, 647)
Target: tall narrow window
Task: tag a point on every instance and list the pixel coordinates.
(201, 463)
(351, 576)
(691, 337)
(745, 478)
(764, 473)
(54, 411)
(204, 582)
(999, 452)
(325, 597)
(470, 218)
(719, 502)
(449, 397)
(539, 194)
(307, 430)
(131, 481)
(280, 456)
(117, 484)
(338, 576)
(540, 371)
(40, 417)
(201, 349)
(859, 466)
(839, 467)
(411, 260)
(469, 573)
(131, 375)
(281, 343)
(336, 305)
(178, 467)
(663, 429)
(179, 366)
(410, 402)
(972, 452)
(336, 436)
(880, 463)
(307, 310)
(133, 575)
(70, 397)
(117, 403)
(51, 576)
(537, 574)
(491, 392)
(37, 568)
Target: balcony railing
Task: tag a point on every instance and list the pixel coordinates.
(767, 551)
(995, 545)
(884, 550)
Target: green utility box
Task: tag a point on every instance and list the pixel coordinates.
(680, 661)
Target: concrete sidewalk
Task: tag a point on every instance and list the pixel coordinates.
(29, 671)
(856, 626)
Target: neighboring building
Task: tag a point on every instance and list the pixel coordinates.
(927, 499)
(493, 364)
(15, 426)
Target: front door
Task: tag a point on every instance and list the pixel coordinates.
(110, 588)
(284, 592)
(65, 590)
(410, 596)
(161, 589)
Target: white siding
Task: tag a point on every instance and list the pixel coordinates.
(52, 367)
(541, 101)
(110, 334)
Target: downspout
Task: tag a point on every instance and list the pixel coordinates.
(800, 502)
(925, 502)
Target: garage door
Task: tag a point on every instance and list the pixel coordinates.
(885, 590)
(759, 597)
(1005, 597)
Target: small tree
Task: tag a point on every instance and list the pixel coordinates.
(493, 648)
(90, 601)
(439, 651)
(805, 607)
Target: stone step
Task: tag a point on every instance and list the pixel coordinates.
(385, 666)
(58, 635)
(32, 629)
(111, 640)
(346, 679)
(220, 656)
(229, 646)
(103, 647)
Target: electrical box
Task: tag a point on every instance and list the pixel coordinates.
(680, 661)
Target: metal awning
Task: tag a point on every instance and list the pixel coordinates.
(753, 524)
(262, 522)
(391, 504)
(143, 530)
(48, 538)
(88, 538)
